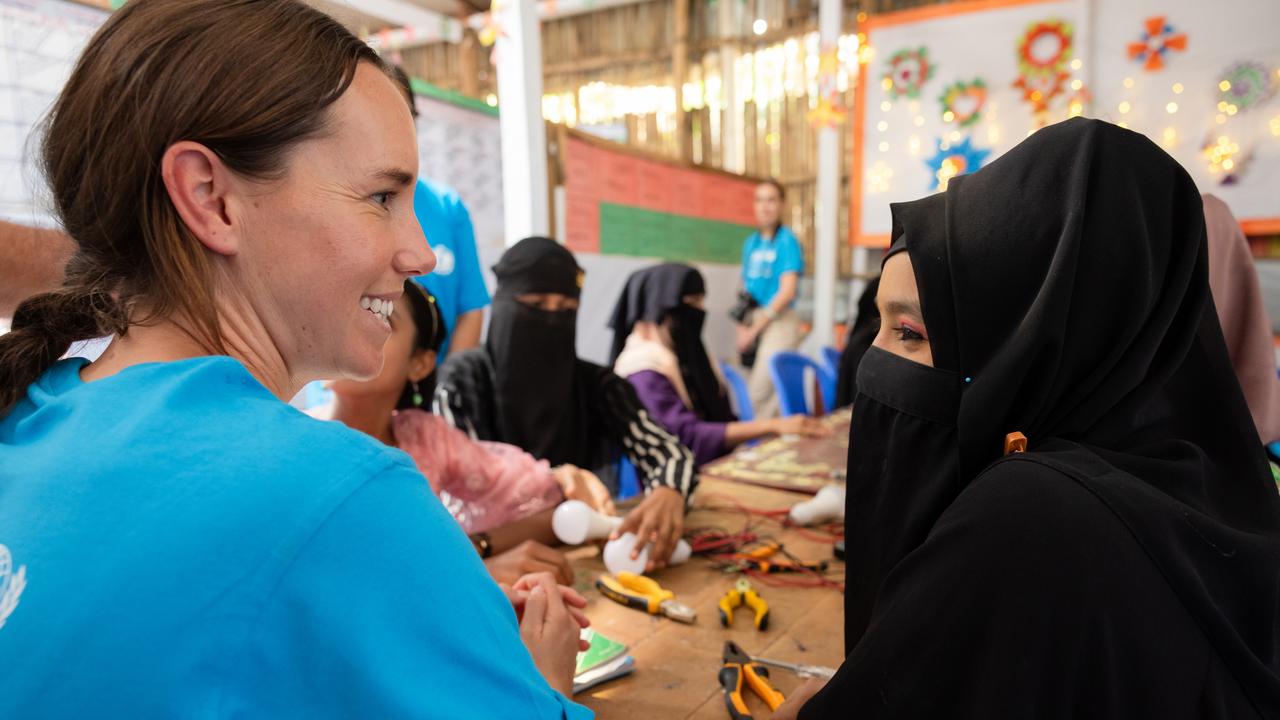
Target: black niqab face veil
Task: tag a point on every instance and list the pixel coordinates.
(535, 362)
(657, 293)
(1065, 292)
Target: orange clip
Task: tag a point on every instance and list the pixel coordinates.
(1015, 442)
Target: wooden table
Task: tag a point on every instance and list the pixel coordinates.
(790, 463)
(677, 664)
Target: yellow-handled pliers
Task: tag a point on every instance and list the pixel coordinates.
(741, 593)
(644, 593)
(739, 667)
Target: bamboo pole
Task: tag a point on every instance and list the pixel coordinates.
(680, 72)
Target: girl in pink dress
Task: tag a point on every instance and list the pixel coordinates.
(500, 495)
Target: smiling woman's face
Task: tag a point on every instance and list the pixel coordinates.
(336, 235)
(902, 330)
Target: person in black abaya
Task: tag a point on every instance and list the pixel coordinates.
(526, 386)
(1127, 563)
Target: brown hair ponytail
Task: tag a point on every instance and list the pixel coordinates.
(248, 79)
(45, 326)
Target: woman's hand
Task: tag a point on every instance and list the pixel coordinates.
(659, 519)
(550, 628)
(579, 484)
(789, 709)
(529, 557)
(518, 593)
(800, 425)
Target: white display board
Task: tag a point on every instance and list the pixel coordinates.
(902, 142)
(40, 41)
(1220, 37)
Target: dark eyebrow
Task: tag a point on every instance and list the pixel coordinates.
(403, 178)
(900, 307)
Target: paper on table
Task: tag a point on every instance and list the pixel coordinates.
(615, 668)
(602, 650)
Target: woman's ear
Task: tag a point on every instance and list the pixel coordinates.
(422, 364)
(199, 187)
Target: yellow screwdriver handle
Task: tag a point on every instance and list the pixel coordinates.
(617, 592)
(646, 586)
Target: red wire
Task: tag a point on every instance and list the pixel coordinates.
(777, 581)
(722, 546)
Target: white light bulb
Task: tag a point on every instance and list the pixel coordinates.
(574, 523)
(617, 555)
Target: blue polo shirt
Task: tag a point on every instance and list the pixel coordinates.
(456, 281)
(764, 262)
(182, 544)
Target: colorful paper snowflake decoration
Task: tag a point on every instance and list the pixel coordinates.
(958, 159)
(962, 102)
(907, 73)
(1246, 85)
(1040, 90)
(1045, 48)
(1158, 40)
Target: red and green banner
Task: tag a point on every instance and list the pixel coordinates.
(618, 202)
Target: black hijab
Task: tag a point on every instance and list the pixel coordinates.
(539, 405)
(656, 293)
(1064, 289)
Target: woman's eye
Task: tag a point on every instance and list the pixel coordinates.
(908, 334)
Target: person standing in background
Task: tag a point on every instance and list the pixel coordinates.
(457, 282)
(771, 265)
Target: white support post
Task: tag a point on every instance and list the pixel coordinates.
(827, 205)
(731, 128)
(524, 136)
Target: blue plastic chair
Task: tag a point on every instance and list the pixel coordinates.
(738, 388)
(788, 372)
(628, 480)
(831, 358)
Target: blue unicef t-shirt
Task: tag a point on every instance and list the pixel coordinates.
(181, 544)
(457, 281)
(764, 262)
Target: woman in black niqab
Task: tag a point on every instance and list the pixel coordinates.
(659, 294)
(1127, 564)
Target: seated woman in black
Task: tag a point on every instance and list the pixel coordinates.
(1126, 563)
(658, 348)
(526, 386)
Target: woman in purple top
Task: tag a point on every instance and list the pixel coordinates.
(657, 347)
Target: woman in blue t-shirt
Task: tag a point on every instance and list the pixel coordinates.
(772, 262)
(177, 540)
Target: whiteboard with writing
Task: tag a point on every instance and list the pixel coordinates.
(462, 148)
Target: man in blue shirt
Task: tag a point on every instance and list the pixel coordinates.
(771, 265)
(457, 282)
